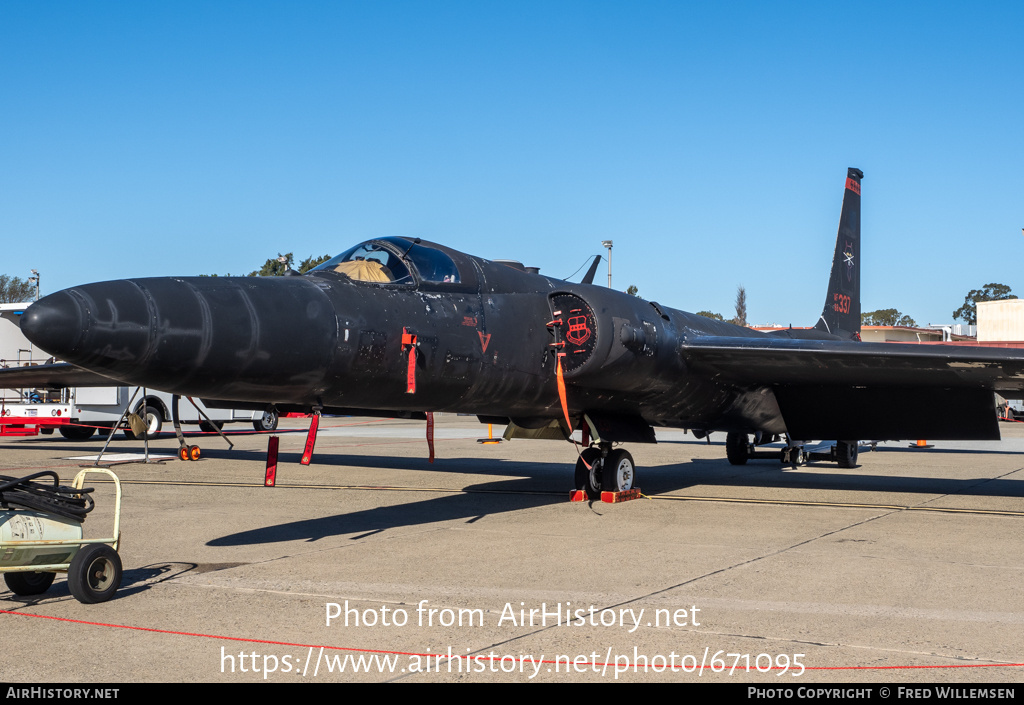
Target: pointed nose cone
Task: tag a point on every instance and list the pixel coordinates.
(241, 338)
(55, 323)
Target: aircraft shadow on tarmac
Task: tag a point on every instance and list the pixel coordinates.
(549, 479)
(556, 477)
(825, 476)
(469, 507)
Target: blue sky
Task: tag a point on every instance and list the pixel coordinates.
(710, 141)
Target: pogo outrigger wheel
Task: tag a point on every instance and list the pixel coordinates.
(30, 565)
(186, 451)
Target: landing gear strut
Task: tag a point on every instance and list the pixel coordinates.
(588, 479)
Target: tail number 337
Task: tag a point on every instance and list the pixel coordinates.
(841, 303)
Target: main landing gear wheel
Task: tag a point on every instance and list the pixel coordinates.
(619, 472)
(29, 583)
(846, 454)
(589, 479)
(736, 448)
(94, 574)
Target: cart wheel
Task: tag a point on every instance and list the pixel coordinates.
(94, 574)
(183, 452)
(29, 583)
(194, 452)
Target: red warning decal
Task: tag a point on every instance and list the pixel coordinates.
(852, 185)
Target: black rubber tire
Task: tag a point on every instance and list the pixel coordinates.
(208, 427)
(103, 429)
(77, 433)
(846, 454)
(736, 448)
(267, 422)
(589, 479)
(619, 472)
(94, 574)
(29, 583)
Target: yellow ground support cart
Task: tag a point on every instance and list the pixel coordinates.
(41, 535)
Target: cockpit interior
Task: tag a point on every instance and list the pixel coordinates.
(393, 260)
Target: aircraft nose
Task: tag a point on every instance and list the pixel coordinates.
(55, 323)
(253, 338)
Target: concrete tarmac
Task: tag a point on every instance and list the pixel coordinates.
(373, 565)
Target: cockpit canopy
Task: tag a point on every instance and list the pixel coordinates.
(393, 260)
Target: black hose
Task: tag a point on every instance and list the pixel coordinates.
(56, 499)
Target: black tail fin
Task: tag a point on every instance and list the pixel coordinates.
(841, 316)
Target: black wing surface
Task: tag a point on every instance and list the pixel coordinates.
(60, 374)
(836, 389)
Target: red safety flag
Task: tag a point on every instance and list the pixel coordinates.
(410, 378)
(561, 391)
(307, 453)
(409, 343)
(430, 434)
(271, 477)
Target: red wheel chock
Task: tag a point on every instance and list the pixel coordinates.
(607, 497)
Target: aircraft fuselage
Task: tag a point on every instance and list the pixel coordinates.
(485, 345)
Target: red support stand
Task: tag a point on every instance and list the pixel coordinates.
(307, 453)
(270, 479)
(430, 434)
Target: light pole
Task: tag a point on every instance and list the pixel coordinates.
(608, 244)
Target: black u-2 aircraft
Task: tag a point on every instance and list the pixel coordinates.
(399, 326)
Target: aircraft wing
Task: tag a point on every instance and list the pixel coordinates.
(870, 390)
(60, 374)
(784, 361)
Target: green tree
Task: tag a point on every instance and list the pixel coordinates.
(991, 292)
(310, 262)
(886, 317)
(741, 307)
(275, 267)
(15, 290)
(632, 290)
(712, 316)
